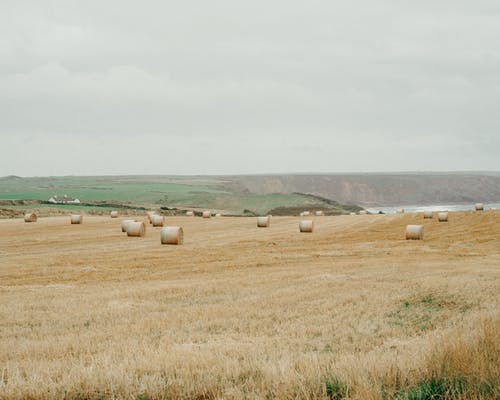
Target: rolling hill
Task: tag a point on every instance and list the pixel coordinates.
(379, 189)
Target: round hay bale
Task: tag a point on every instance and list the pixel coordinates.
(305, 213)
(443, 216)
(363, 212)
(400, 210)
(30, 217)
(352, 213)
(319, 213)
(414, 232)
(125, 222)
(427, 214)
(76, 219)
(150, 216)
(263, 222)
(172, 235)
(306, 226)
(206, 214)
(189, 214)
(479, 206)
(217, 215)
(157, 220)
(136, 228)
(113, 214)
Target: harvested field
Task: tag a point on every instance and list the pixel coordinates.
(350, 310)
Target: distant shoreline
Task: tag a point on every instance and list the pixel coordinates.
(437, 207)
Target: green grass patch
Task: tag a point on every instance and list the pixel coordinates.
(435, 389)
(422, 312)
(335, 388)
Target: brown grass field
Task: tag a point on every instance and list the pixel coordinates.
(238, 312)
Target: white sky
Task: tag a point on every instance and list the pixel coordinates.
(228, 87)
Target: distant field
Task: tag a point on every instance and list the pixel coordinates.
(351, 311)
(132, 190)
(151, 192)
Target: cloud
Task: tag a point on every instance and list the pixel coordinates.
(346, 86)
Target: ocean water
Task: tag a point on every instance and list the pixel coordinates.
(440, 207)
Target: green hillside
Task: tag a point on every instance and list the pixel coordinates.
(152, 192)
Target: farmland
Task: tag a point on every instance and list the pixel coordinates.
(351, 310)
(152, 192)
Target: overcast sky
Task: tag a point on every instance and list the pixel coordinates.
(228, 87)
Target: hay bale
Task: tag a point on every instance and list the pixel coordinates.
(150, 216)
(319, 213)
(427, 214)
(125, 222)
(263, 222)
(218, 215)
(363, 212)
(113, 214)
(206, 214)
(76, 219)
(400, 210)
(479, 206)
(157, 220)
(172, 235)
(443, 216)
(305, 213)
(189, 214)
(352, 213)
(30, 217)
(414, 232)
(136, 228)
(306, 226)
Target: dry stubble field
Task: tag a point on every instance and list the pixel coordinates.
(352, 310)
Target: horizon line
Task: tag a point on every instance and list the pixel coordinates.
(310, 173)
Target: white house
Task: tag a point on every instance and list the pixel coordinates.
(63, 200)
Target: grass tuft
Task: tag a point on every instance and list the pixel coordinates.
(336, 389)
(436, 389)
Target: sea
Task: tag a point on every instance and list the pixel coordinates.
(440, 207)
